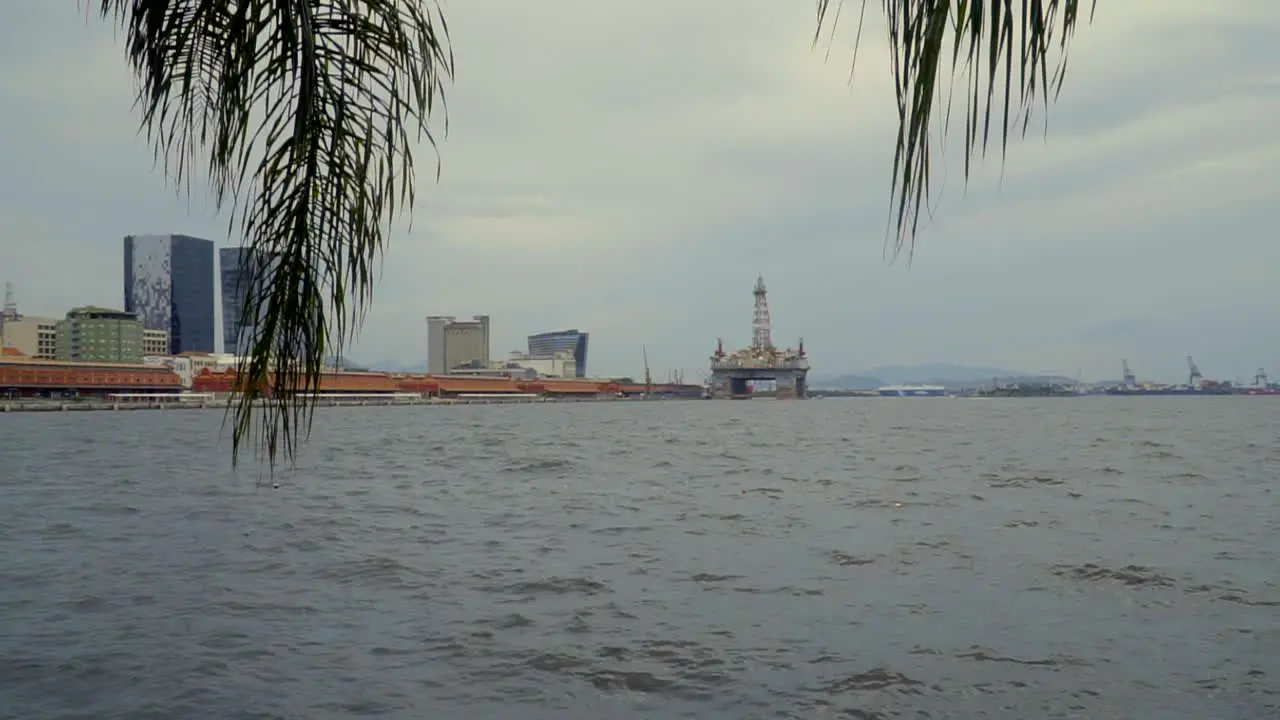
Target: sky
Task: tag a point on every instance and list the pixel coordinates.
(629, 168)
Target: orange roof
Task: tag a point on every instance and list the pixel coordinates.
(470, 385)
(12, 352)
(569, 386)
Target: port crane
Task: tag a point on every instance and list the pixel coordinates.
(648, 379)
(1194, 378)
(1130, 379)
(1261, 379)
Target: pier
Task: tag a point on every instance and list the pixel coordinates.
(733, 375)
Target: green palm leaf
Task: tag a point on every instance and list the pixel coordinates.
(987, 38)
(301, 112)
(303, 116)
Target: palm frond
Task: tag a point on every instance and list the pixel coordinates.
(987, 38)
(301, 112)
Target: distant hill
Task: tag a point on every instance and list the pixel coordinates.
(1010, 380)
(952, 376)
(844, 382)
(938, 373)
(393, 366)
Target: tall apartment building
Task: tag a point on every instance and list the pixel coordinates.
(94, 334)
(168, 283)
(453, 343)
(241, 269)
(549, 344)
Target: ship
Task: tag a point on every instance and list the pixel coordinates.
(1145, 390)
(911, 391)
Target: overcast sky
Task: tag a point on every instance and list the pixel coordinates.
(628, 169)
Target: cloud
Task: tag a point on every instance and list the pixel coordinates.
(628, 169)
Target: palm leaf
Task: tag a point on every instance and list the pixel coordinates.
(987, 38)
(300, 112)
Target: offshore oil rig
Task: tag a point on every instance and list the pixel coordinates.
(734, 375)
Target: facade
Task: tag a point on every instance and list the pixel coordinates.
(240, 269)
(154, 342)
(94, 334)
(190, 366)
(25, 377)
(168, 283)
(453, 343)
(34, 337)
(560, 364)
(549, 343)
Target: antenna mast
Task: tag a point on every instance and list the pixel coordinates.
(761, 336)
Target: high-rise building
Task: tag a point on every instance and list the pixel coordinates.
(168, 282)
(453, 343)
(240, 268)
(94, 334)
(547, 344)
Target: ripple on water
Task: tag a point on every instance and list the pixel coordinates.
(859, 559)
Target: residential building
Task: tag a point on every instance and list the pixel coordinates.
(548, 344)
(453, 343)
(241, 269)
(154, 342)
(169, 283)
(94, 334)
(35, 337)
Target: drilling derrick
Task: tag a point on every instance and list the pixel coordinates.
(733, 374)
(760, 332)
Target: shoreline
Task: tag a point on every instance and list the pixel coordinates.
(16, 406)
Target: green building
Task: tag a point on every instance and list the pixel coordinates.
(94, 334)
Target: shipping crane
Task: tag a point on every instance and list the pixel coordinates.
(1130, 379)
(648, 379)
(1194, 379)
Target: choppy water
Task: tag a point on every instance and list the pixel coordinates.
(1089, 558)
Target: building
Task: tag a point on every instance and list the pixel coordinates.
(95, 334)
(24, 377)
(561, 364)
(168, 282)
(240, 269)
(190, 365)
(28, 336)
(453, 343)
(34, 337)
(154, 342)
(548, 344)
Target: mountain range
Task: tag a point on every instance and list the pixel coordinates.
(954, 376)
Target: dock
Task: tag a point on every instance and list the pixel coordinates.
(101, 406)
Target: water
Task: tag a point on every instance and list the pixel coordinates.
(874, 558)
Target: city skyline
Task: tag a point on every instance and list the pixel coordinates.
(1138, 228)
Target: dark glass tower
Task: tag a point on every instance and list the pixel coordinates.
(168, 282)
(236, 270)
(549, 343)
